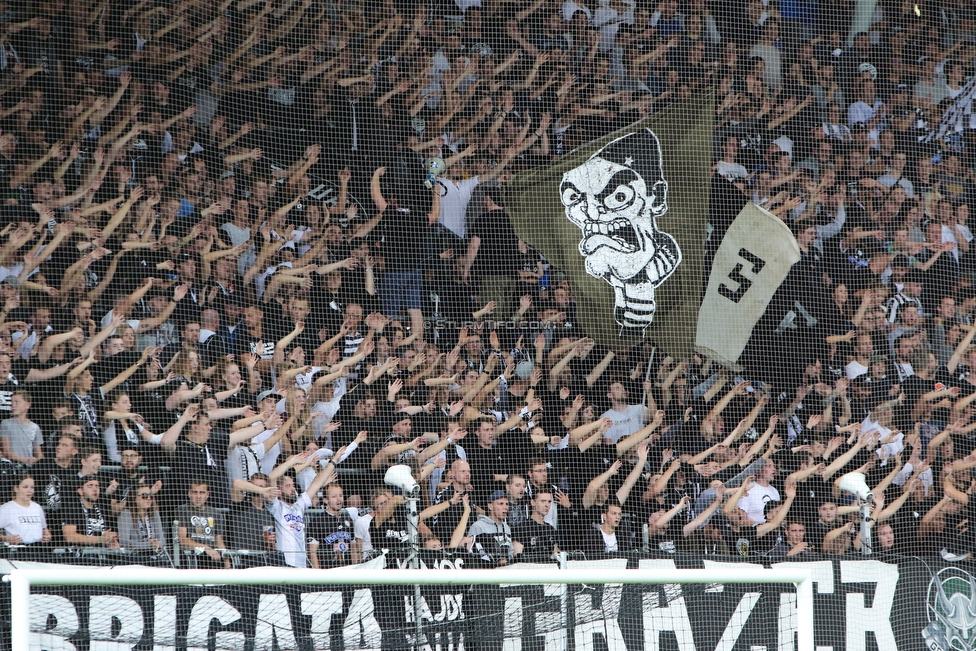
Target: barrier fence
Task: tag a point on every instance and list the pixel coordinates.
(884, 604)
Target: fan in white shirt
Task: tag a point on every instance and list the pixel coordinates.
(288, 509)
(22, 520)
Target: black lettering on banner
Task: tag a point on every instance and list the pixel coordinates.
(736, 276)
(889, 604)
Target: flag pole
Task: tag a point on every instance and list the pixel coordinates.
(647, 375)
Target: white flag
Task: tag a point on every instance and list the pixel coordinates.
(754, 259)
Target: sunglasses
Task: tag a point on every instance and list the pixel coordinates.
(146, 496)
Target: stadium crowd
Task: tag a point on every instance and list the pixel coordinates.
(235, 288)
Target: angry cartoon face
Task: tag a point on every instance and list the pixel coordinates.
(614, 198)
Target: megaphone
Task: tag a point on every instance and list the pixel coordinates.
(401, 477)
(853, 482)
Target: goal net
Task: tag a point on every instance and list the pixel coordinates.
(680, 284)
(521, 607)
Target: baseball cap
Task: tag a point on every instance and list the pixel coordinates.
(78, 482)
(497, 495)
(264, 395)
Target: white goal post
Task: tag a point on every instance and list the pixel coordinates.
(21, 581)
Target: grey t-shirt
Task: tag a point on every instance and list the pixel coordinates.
(23, 438)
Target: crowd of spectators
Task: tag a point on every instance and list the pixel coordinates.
(230, 301)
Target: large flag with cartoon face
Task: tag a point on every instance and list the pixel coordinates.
(625, 218)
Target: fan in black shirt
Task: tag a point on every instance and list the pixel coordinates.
(132, 478)
(446, 522)
(202, 451)
(86, 519)
(493, 255)
(538, 537)
(330, 535)
(53, 475)
(607, 537)
(488, 457)
(388, 528)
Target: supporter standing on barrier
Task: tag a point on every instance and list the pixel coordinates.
(288, 506)
(492, 254)
(330, 534)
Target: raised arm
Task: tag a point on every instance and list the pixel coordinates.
(440, 507)
(433, 450)
(392, 451)
(842, 460)
(662, 482)
(167, 440)
(702, 518)
(830, 542)
(152, 323)
(664, 520)
(375, 193)
(385, 512)
(593, 488)
(578, 434)
(147, 353)
(457, 537)
(960, 350)
(733, 502)
(290, 462)
(781, 514)
(597, 372)
(241, 487)
(325, 476)
(910, 487)
(761, 441)
(272, 421)
(738, 390)
(624, 491)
